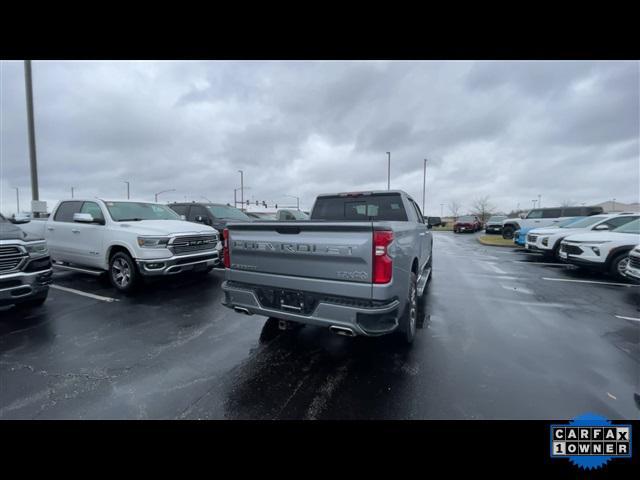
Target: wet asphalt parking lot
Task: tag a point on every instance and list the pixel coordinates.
(507, 337)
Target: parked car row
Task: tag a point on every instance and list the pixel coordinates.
(601, 242)
(467, 223)
(358, 266)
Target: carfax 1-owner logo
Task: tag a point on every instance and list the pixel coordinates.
(589, 441)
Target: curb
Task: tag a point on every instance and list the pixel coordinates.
(494, 245)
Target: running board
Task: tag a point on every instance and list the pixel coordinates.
(422, 281)
(78, 269)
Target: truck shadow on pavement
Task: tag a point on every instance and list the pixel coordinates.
(311, 373)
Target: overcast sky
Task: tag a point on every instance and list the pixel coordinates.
(568, 131)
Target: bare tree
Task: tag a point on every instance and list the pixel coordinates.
(454, 208)
(567, 203)
(483, 208)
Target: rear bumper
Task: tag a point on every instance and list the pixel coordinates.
(368, 321)
(177, 264)
(493, 229)
(20, 287)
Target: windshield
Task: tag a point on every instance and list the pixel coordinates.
(582, 222)
(135, 211)
(631, 227)
(498, 218)
(466, 218)
(225, 212)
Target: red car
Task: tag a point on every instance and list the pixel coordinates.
(467, 223)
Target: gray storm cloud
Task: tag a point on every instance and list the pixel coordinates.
(509, 130)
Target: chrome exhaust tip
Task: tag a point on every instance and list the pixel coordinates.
(345, 332)
(242, 310)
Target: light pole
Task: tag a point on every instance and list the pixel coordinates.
(534, 203)
(72, 191)
(539, 201)
(164, 191)
(31, 128)
(297, 198)
(441, 210)
(388, 170)
(235, 202)
(17, 200)
(127, 189)
(241, 190)
(424, 184)
(614, 205)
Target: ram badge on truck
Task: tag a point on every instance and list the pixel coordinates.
(358, 266)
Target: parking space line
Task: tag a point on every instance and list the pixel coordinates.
(84, 294)
(589, 281)
(543, 263)
(628, 318)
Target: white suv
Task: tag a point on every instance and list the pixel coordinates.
(547, 239)
(545, 217)
(632, 271)
(606, 251)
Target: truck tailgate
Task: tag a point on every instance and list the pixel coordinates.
(307, 251)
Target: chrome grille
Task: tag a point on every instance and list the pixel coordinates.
(9, 250)
(193, 243)
(532, 238)
(634, 261)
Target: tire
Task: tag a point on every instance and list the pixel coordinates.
(617, 265)
(507, 232)
(409, 320)
(34, 302)
(123, 273)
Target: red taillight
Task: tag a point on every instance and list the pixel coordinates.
(382, 262)
(226, 258)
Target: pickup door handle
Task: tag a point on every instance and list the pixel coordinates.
(50, 228)
(422, 234)
(75, 230)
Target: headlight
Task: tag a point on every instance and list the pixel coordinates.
(545, 241)
(37, 249)
(153, 242)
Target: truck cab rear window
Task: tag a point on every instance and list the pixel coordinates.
(374, 207)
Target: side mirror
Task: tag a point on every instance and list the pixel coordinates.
(201, 219)
(601, 227)
(20, 219)
(182, 217)
(83, 218)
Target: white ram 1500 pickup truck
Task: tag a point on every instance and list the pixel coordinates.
(127, 239)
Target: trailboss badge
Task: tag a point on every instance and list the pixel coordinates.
(590, 441)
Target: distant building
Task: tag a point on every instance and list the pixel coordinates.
(611, 207)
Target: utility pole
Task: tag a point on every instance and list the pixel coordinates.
(388, 170)
(72, 192)
(31, 129)
(424, 184)
(17, 200)
(534, 203)
(614, 205)
(241, 190)
(127, 189)
(539, 201)
(441, 210)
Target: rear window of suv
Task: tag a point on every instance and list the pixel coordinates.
(384, 207)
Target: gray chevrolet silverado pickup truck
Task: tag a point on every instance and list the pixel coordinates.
(25, 267)
(358, 266)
